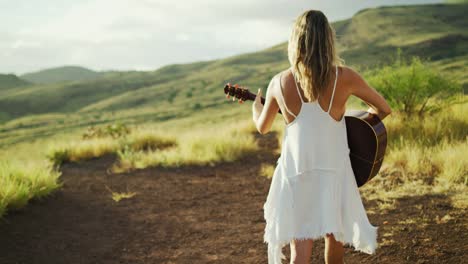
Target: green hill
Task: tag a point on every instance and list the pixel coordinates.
(61, 74)
(368, 39)
(8, 81)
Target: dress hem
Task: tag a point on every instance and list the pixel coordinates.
(275, 254)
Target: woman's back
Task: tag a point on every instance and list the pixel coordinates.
(287, 90)
(313, 139)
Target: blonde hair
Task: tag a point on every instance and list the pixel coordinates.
(312, 54)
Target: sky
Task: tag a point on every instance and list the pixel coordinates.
(148, 34)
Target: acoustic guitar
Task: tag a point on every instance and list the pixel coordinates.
(367, 136)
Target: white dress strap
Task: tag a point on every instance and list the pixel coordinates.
(333, 93)
(282, 97)
(297, 87)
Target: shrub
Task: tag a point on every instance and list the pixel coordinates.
(196, 106)
(59, 156)
(116, 130)
(172, 95)
(413, 87)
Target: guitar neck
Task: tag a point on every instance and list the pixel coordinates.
(242, 94)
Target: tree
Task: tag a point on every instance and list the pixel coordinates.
(413, 87)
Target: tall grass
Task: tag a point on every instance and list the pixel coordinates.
(145, 147)
(445, 160)
(214, 144)
(449, 125)
(21, 182)
(434, 146)
(78, 150)
(84, 149)
(424, 156)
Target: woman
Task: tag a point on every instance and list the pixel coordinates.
(313, 192)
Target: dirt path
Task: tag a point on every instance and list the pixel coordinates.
(200, 215)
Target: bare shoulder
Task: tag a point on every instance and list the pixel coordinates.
(283, 79)
(348, 74)
(350, 78)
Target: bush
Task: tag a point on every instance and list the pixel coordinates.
(413, 87)
(116, 130)
(172, 96)
(58, 156)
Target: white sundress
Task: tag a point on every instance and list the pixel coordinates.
(313, 190)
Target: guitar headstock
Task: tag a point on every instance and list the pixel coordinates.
(237, 92)
(241, 93)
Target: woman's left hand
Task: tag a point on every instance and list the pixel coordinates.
(257, 106)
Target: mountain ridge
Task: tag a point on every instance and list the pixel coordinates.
(61, 74)
(439, 34)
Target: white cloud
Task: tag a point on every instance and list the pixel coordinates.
(146, 34)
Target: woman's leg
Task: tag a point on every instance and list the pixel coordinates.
(334, 251)
(301, 251)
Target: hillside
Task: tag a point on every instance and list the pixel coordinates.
(61, 74)
(433, 31)
(8, 81)
(367, 39)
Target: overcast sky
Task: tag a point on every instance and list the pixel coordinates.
(148, 34)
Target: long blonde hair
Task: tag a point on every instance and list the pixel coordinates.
(312, 54)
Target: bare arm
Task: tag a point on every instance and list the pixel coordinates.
(361, 89)
(265, 116)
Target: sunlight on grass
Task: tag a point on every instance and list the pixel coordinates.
(84, 149)
(118, 196)
(149, 139)
(21, 182)
(222, 143)
(424, 157)
(267, 170)
(450, 125)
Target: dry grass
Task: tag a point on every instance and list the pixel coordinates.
(221, 143)
(118, 196)
(21, 182)
(140, 140)
(267, 170)
(424, 157)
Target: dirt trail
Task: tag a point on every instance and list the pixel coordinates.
(200, 215)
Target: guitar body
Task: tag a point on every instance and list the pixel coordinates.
(367, 141)
(367, 137)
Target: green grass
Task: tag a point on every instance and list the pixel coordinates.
(21, 182)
